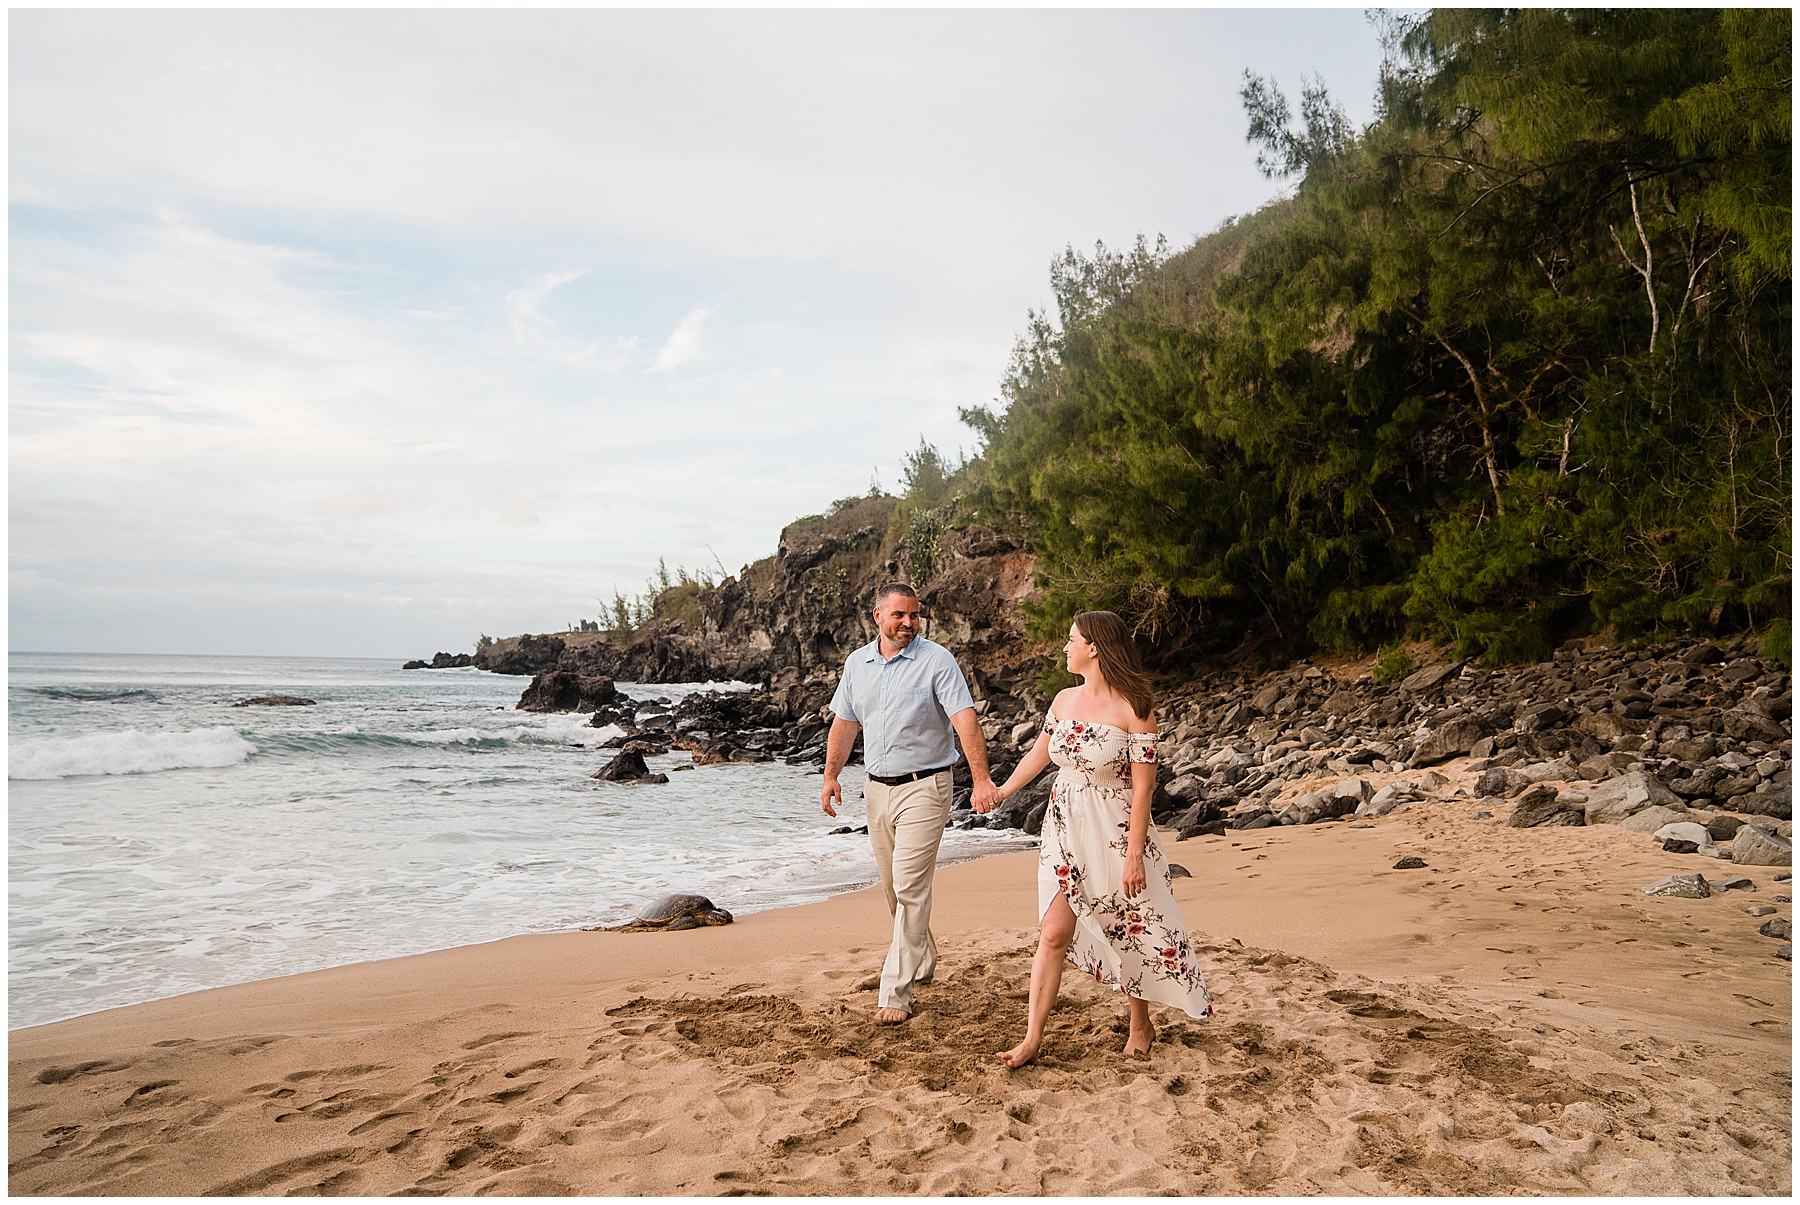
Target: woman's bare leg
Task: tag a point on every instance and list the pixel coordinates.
(1055, 932)
(1143, 1033)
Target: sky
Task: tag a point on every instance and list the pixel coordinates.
(365, 333)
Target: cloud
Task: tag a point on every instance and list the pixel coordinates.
(311, 310)
(531, 328)
(683, 345)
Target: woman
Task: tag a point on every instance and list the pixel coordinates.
(1104, 897)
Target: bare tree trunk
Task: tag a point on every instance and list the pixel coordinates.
(1489, 453)
(1648, 266)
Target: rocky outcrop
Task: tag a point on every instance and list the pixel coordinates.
(787, 622)
(560, 690)
(628, 766)
(276, 701)
(443, 661)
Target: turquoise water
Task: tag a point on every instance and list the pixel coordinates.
(162, 840)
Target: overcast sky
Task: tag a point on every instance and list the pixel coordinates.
(363, 333)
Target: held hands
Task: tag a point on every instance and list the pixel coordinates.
(1135, 879)
(986, 796)
(830, 795)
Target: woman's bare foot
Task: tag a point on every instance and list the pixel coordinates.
(891, 1016)
(1019, 1055)
(1139, 1043)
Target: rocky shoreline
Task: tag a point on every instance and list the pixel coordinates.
(1692, 733)
(1687, 742)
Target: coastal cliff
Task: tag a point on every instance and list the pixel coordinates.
(787, 621)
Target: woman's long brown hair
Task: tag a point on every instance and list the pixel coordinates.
(1120, 664)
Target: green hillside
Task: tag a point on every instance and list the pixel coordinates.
(1509, 366)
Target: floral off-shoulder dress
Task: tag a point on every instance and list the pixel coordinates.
(1137, 945)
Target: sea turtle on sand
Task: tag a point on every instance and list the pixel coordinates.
(671, 912)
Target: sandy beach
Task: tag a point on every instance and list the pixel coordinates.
(1516, 1018)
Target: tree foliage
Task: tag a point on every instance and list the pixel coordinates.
(1511, 364)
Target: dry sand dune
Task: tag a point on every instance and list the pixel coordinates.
(1514, 1019)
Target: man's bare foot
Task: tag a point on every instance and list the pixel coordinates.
(1138, 1044)
(1019, 1055)
(891, 1016)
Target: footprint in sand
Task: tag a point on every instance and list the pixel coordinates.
(142, 1095)
(356, 1072)
(60, 1075)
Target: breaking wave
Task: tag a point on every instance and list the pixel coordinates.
(127, 752)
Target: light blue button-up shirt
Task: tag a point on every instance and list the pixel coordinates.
(904, 704)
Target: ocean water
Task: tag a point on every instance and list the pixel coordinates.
(163, 841)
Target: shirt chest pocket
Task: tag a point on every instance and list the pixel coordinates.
(909, 700)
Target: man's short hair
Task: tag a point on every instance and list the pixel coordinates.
(893, 588)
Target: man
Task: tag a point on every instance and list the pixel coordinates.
(906, 695)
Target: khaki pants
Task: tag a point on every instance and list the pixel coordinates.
(906, 823)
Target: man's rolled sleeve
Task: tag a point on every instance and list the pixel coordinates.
(951, 688)
(840, 701)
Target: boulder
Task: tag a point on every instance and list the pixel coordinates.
(1605, 765)
(1774, 799)
(1680, 886)
(1187, 788)
(628, 766)
(1745, 724)
(1501, 781)
(1607, 727)
(1560, 770)
(1541, 718)
(1685, 830)
(1316, 806)
(1723, 827)
(1653, 818)
(561, 690)
(1700, 783)
(1202, 814)
(1431, 676)
(1692, 748)
(1756, 846)
(1777, 927)
(1627, 795)
(1452, 739)
(1390, 798)
(1561, 743)
(1703, 654)
(1544, 807)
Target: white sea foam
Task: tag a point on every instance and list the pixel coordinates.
(128, 752)
(403, 813)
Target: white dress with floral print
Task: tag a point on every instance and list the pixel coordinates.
(1139, 944)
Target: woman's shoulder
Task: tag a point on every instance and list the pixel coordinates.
(1140, 725)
